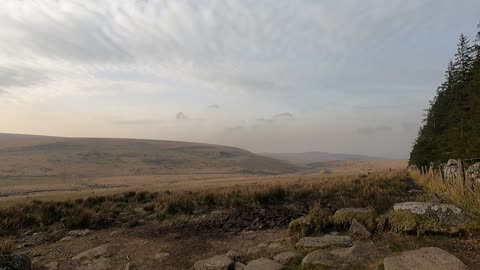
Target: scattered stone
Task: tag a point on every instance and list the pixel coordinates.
(430, 258)
(91, 253)
(66, 238)
(99, 264)
(233, 255)
(321, 258)
(215, 263)
(78, 232)
(324, 242)
(358, 230)
(445, 213)
(52, 266)
(15, 262)
(263, 264)
(355, 252)
(285, 257)
(239, 266)
(116, 232)
(161, 256)
(275, 245)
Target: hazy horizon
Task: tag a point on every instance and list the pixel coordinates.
(271, 76)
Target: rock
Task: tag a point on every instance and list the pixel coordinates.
(265, 250)
(450, 171)
(52, 266)
(355, 252)
(215, 263)
(239, 266)
(285, 257)
(321, 258)
(446, 213)
(233, 255)
(66, 238)
(127, 266)
(472, 174)
(161, 256)
(324, 242)
(78, 232)
(430, 258)
(263, 264)
(15, 262)
(99, 264)
(358, 230)
(92, 253)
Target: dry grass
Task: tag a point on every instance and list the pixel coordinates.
(456, 193)
(7, 246)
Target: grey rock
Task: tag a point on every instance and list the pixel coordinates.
(445, 213)
(285, 257)
(430, 258)
(15, 262)
(265, 250)
(239, 266)
(358, 230)
(263, 264)
(450, 171)
(78, 232)
(472, 174)
(234, 255)
(356, 252)
(324, 242)
(321, 258)
(218, 262)
(92, 253)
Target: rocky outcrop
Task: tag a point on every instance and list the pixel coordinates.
(430, 258)
(444, 213)
(218, 262)
(324, 242)
(263, 264)
(15, 262)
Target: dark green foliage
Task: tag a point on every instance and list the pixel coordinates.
(451, 127)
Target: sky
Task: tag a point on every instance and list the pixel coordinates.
(269, 76)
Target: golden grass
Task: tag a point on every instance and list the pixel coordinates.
(465, 197)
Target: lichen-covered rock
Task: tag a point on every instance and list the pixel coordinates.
(445, 213)
(472, 174)
(321, 258)
(356, 252)
(215, 263)
(263, 264)
(358, 230)
(286, 257)
(450, 171)
(324, 242)
(430, 258)
(15, 262)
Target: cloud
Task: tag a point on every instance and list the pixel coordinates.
(142, 122)
(214, 106)
(374, 130)
(181, 116)
(235, 128)
(286, 116)
(410, 126)
(21, 77)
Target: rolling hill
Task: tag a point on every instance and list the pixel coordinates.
(43, 156)
(313, 157)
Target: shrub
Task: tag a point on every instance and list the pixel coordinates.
(77, 218)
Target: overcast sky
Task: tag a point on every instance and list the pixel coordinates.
(277, 76)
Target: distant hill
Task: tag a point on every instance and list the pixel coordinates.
(43, 156)
(313, 157)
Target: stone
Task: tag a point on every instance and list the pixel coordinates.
(265, 250)
(430, 258)
(450, 171)
(15, 262)
(285, 257)
(263, 264)
(472, 174)
(324, 242)
(218, 262)
(66, 238)
(92, 253)
(321, 258)
(239, 266)
(52, 266)
(161, 256)
(355, 252)
(358, 230)
(234, 255)
(78, 232)
(446, 213)
(98, 264)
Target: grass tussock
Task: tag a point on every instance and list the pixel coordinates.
(466, 197)
(6, 247)
(379, 192)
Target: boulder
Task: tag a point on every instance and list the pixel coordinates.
(324, 242)
(472, 174)
(321, 258)
(285, 257)
(356, 252)
(450, 171)
(15, 262)
(263, 264)
(445, 213)
(430, 258)
(92, 253)
(239, 266)
(358, 230)
(218, 262)
(265, 250)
